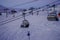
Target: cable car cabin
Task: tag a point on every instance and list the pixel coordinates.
(59, 14)
(0, 13)
(25, 24)
(52, 17)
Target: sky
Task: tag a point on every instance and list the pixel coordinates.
(17, 3)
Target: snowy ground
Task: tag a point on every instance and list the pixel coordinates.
(40, 29)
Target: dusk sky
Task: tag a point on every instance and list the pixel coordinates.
(17, 3)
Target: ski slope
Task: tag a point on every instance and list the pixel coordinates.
(40, 29)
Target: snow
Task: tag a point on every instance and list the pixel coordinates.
(40, 29)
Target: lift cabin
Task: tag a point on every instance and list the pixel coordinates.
(25, 24)
(52, 17)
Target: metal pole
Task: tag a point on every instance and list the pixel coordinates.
(23, 14)
(47, 8)
(53, 7)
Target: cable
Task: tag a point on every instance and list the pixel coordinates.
(8, 21)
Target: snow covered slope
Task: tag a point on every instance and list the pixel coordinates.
(40, 29)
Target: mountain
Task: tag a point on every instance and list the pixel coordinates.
(2, 7)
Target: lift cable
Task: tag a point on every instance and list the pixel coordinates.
(8, 21)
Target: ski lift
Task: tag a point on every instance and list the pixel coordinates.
(52, 16)
(25, 24)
